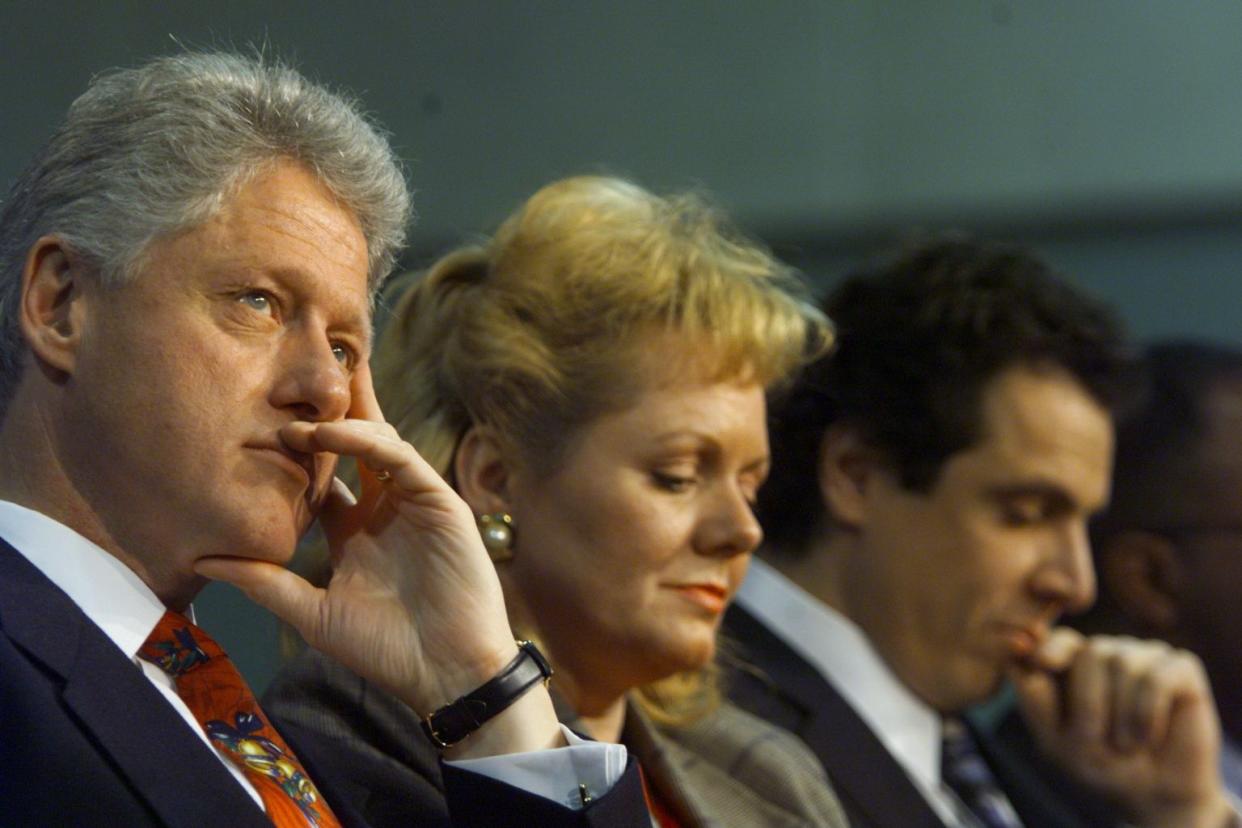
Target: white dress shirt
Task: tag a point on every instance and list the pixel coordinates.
(119, 603)
(1231, 768)
(841, 653)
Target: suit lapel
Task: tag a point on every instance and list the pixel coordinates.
(141, 736)
(342, 806)
(661, 773)
(871, 784)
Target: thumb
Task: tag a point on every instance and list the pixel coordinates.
(339, 516)
(288, 596)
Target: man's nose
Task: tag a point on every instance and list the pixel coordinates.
(1069, 579)
(312, 381)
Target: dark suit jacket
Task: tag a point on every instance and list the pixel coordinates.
(728, 769)
(772, 681)
(86, 740)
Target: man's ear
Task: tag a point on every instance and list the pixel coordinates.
(1142, 574)
(51, 310)
(846, 468)
(482, 473)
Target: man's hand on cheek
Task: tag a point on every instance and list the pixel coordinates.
(414, 603)
(1132, 720)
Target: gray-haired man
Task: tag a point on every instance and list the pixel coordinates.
(186, 275)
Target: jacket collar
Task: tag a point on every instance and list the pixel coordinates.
(145, 740)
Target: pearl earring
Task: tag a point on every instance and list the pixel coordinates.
(497, 532)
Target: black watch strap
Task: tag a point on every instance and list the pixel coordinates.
(457, 720)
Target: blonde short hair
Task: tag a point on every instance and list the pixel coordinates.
(536, 332)
(543, 328)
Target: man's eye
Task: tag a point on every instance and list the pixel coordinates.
(256, 300)
(343, 355)
(1023, 514)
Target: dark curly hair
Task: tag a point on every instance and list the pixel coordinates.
(918, 340)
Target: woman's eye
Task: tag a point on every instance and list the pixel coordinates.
(672, 482)
(256, 300)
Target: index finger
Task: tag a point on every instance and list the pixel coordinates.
(363, 405)
(1058, 651)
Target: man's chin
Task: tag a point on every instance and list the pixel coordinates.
(964, 687)
(988, 685)
(274, 542)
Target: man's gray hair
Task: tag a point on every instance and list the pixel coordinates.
(147, 152)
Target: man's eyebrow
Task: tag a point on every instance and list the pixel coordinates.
(1056, 495)
(360, 325)
(365, 333)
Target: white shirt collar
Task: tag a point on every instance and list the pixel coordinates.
(107, 590)
(840, 651)
(1231, 767)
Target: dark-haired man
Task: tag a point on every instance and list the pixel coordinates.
(1168, 551)
(927, 524)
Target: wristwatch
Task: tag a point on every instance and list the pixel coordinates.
(455, 721)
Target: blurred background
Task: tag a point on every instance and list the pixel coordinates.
(1107, 135)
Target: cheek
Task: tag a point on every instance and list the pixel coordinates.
(555, 560)
(630, 553)
(183, 369)
(992, 562)
(616, 561)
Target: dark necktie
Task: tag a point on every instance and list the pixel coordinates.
(964, 770)
(222, 702)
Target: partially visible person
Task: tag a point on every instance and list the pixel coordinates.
(186, 279)
(592, 381)
(927, 524)
(1168, 550)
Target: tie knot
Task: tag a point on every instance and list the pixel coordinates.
(224, 706)
(960, 760)
(176, 646)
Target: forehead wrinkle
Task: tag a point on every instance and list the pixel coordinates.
(289, 200)
(331, 241)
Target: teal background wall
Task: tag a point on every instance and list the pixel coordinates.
(1106, 134)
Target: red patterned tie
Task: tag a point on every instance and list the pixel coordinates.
(220, 699)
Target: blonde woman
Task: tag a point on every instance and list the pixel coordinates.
(592, 382)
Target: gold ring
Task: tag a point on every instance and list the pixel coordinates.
(383, 476)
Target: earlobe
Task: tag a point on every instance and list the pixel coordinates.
(482, 472)
(1140, 571)
(50, 310)
(845, 466)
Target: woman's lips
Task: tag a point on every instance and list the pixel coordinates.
(711, 597)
